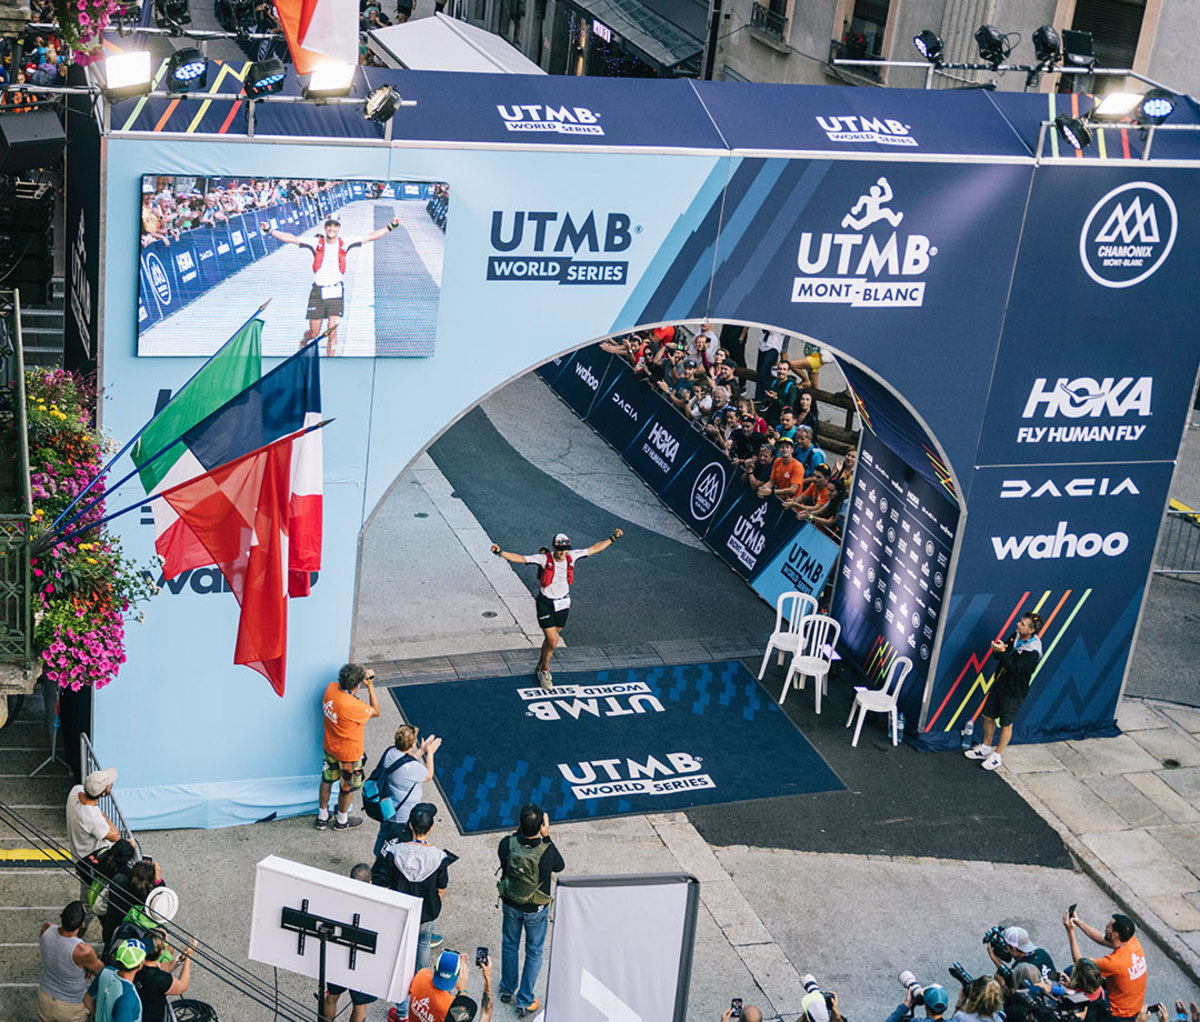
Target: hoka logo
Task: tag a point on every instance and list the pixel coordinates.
(1132, 224)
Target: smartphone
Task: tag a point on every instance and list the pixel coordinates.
(481, 956)
(1156, 1008)
(1071, 910)
(735, 1008)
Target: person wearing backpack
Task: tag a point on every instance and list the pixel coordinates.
(528, 860)
(398, 778)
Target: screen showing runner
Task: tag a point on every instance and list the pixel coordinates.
(357, 264)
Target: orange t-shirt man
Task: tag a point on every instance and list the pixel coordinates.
(432, 992)
(785, 475)
(1124, 971)
(345, 717)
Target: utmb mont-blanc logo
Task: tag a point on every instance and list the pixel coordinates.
(1128, 234)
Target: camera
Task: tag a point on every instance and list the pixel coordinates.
(909, 982)
(960, 974)
(809, 982)
(1005, 973)
(994, 938)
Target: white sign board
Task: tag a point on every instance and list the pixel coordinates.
(394, 917)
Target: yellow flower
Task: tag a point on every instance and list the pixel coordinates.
(92, 560)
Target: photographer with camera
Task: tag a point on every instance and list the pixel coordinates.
(980, 1000)
(819, 1005)
(1011, 945)
(1123, 969)
(933, 997)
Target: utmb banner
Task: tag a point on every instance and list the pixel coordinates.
(1093, 381)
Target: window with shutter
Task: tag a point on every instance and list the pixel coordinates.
(1115, 26)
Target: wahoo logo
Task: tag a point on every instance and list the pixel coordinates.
(549, 245)
(707, 491)
(1014, 489)
(661, 447)
(859, 264)
(1087, 397)
(854, 129)
(1060, 543)
(160, 283)
(585, 373)
(565, 120)
(601, 778)
(1128, 234)
(201, 581)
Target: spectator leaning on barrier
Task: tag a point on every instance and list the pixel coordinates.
(1123, 969)
(758, 471)
(345, 721)
(807, 452)
(66, 963)
(786, 473)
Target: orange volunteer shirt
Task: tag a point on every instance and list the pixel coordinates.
(1125, 973)
(345, 716)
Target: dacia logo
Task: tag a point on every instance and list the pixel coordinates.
(848, 128)
(1128, 234)
(565, 120)
(549, 244)
(1087, 486)
(857, 266)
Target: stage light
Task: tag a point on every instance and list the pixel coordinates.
(1047, 46)
(993, 45)
(1115, 106)
(187, 70)
(126, 75)
(1077, 48)
(331, 79)
(929, 45)
(265, 77)
(1074, 131)
(381, 104)
(1156, 106)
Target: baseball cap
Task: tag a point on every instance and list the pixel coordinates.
(445, 975)
(747, 417)
(562, 539)
(333, 218)
(814, 1008)
(422, 815)
(462, 1009)
(1017, 937)
(95, 782)
(785, 440)
(936, 998)
(130, 953)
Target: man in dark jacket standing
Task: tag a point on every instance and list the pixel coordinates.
(528, 859)
(1015, 663)
(418, 868)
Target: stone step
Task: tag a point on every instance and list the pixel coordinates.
(35, 824)
(45, 789)
(19, 1002)
(48, 886)
(21, 761)
(22, 964)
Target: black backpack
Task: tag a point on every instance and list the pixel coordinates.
(376, 804)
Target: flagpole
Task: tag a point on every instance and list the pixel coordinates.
(157, 454)
(133, 439)
(38, 546)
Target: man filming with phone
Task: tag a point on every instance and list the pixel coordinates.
(750, 1013)
(1123, 969)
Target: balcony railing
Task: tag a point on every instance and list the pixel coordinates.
(16, 622)
(768, 22)
(854, 50)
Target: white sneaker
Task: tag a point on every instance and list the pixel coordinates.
(993, 762)
(545, 679)
(978, 752)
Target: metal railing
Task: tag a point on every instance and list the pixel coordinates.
(108, 804)
(1178, 551)
(16, 602)
(768, 22)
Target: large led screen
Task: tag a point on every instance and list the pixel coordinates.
(358, 263)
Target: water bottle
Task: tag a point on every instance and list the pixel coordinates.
(900, 727)
(968, 734)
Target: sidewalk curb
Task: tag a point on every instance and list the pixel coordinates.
(1133, 906)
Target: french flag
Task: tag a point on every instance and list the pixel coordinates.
(283, 401)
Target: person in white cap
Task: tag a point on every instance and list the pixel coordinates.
(1023, 949)
(556, 573)
(88, 829)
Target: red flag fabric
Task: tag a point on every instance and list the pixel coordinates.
(241, 512)
(319, 31)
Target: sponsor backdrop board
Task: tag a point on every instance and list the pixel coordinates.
(608, 743)
(586, 207)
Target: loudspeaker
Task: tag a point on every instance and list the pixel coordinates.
(30, 141)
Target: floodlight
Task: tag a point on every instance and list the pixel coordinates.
(330, 79)
(1074, 131)
(1047, 46)
(929, 45)
(993, 45)
(1116, 106)
(1077, 48)
(381, 104)
(1156, 106)
(187, 70)
(265, 77)
(127, 75)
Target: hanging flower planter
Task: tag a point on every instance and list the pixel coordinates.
(83, 23)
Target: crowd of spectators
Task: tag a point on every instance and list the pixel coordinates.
(37, 58)
(766, 420)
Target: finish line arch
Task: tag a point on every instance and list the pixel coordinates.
(943, 263)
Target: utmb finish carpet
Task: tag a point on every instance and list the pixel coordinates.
(606, 743)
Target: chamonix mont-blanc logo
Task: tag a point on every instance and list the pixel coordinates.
(868, 263)
(1128, 234)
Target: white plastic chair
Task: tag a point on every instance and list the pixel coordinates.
(790, 608)
(819, 636)
(881, 700)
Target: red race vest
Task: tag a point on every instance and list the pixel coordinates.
(319, 255)
(546, 575)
